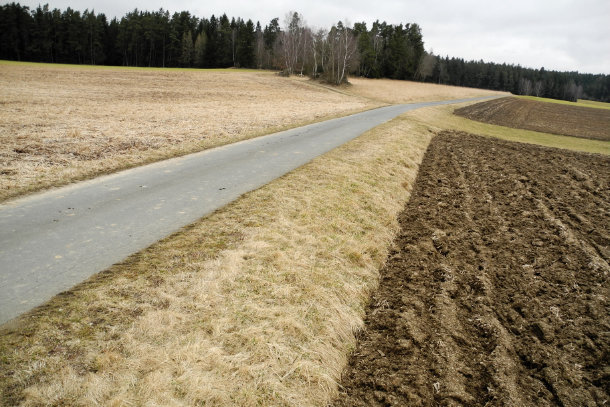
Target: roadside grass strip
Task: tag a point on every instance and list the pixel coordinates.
(256, 304)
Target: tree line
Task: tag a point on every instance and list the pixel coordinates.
(161, 39)
(514, 78)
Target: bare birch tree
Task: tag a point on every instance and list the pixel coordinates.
(426, 66)
(525, 87)
(342, 53)
(290, 41)
(538, 87)
(305, 54)
(318, 49)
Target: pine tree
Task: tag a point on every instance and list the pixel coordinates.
(246, 45)
(200, 45)
(186, 58)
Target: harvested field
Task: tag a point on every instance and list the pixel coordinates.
(496, 293)
(575, 121)
(63, 123)
(397, 91)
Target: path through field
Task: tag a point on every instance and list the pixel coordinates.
(496, 293)
(54, 240)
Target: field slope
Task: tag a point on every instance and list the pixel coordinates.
(544, 117)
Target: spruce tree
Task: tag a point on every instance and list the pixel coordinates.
(186, 58)
(200, 44)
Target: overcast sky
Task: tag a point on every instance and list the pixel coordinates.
(565, 35)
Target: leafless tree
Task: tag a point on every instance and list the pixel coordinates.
(259, 50)
(200, 44)
(290, 41)
(319, 49)
(538, 88)
(426, 66)
(305, 54)
(233, 42)
(525, 86)
(342, 53)
(572, 91)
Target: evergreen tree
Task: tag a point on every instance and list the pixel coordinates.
(186, 58)
(246, 45)
(200, 45)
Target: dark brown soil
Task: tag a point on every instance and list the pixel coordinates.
(497, 292)
(576, 121)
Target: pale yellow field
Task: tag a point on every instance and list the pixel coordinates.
(394, 91)
(63, 123)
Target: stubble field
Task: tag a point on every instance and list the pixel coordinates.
(396, 91)
(496, 292)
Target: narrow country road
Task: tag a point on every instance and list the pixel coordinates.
(53, 240)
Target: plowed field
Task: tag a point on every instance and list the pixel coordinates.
(585, 122)
(496, 293)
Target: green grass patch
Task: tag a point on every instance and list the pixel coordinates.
(593, 103)
(580, 103)
(442, 117)
(549, 140)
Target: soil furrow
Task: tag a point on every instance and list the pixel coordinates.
(494, 295)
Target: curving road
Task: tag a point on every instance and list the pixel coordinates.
(53, 240)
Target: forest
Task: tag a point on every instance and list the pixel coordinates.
(161, 39)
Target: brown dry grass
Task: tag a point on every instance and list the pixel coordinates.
(256, 304)
(64, 123)
(395, 91)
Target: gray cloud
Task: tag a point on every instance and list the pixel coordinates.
(557, 34)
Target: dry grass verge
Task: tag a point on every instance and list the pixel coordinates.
(63, 123)
(254, 305)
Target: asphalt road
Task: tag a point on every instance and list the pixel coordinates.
(53, 240)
